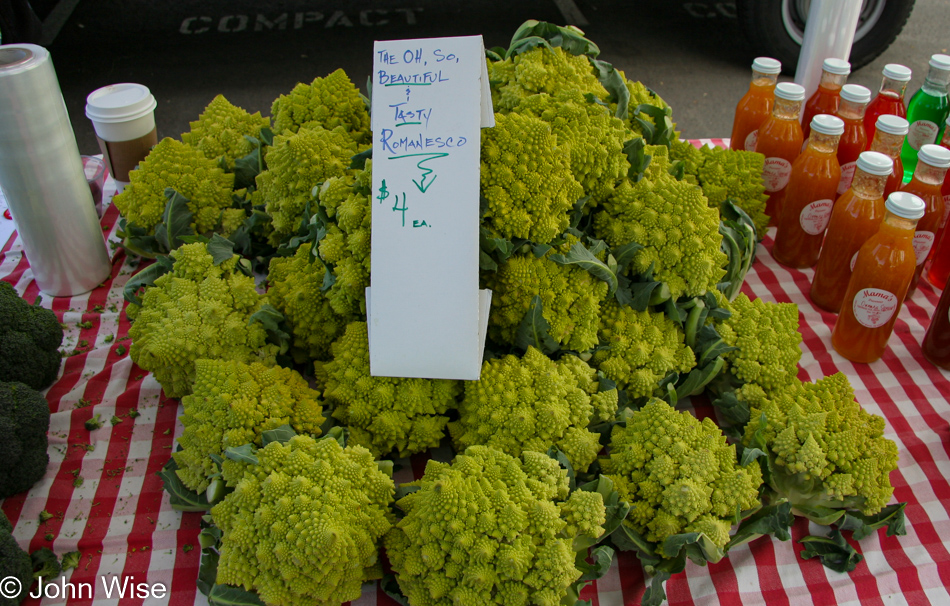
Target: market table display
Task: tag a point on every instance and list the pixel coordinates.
(107, 502)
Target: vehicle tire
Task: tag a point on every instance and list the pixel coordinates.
(775, 28)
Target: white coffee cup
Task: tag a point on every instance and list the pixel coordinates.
(123, 116)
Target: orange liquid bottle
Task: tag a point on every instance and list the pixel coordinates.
(936, 343)
(834, 72)
(888, 139)
(932, 164)
(809, 196)
(890, 99)
(854, 100)
(855, 217)
(756, 105)
(879, 283)
(780, 140)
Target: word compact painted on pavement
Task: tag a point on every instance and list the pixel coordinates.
(235, 24)
(426, 315)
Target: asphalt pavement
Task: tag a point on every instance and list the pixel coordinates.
(692, 53)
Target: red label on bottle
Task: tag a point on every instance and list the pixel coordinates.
(874, 307)
(847, 175)
(922, 132)
(776, 173)
(815, 216)
(751, 140)
(923, 242)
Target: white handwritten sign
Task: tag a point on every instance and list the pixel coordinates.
(427, 317)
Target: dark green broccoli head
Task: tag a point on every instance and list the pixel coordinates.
(14, 562)
(30, 337)
(24, 421)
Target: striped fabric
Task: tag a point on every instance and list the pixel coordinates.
(121, 522)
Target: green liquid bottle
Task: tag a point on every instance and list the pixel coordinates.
(927, 112)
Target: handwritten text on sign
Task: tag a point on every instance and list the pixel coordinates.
(426, 314)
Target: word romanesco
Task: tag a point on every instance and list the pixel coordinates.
(491, 529)
(231, 405)
(198, 310)
(303, 526)
(679, 475)
(530, 403)
(383, 414)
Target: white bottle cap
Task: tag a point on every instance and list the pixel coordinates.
(827, 125)
(855, 93)
(767, 65)
(839, 67)
(898, 72)
(875, 163)
(905, 205)
(790, 91)
(934, 155)
(940, 62)
(892, 125)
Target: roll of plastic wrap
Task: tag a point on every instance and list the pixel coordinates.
(42, 177)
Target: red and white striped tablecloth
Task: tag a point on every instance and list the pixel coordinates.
(121, 521)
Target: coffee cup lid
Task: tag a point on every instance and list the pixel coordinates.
(119, 103)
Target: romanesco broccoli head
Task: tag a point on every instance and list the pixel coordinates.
(296, 162)
(571, 298)
(641, 95)
(491, 529)
(303, 526)
(735, 174)
(526, 179)
(295, 289)
(384, 414)
(329, 102)
(824, 449)
(542, 70)
(643, 347)
(766, 339)
(593, 135)
(671, 219)
(173, 164)
(528, 403)
(197, 310)
(232, 404)
(679, 474)
(220, 130)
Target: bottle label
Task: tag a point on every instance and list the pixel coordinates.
(854, 260)
(815, 216)
(847, 175)
(776, 173)
(751, 140)
(921, 133)
(874, 307)
(923, 241)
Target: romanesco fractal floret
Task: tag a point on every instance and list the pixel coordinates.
(219, 132)
(173, 164)
(384, 414)
(679, 474)
(531, 403)
(303, 526)
(231, 405)
(542, 70)
(491, 529)
(328, 102)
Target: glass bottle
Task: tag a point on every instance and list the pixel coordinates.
(945, 190)
(936, 343)
(890, 99)
(932, 165)
(888, 139)
(855, 217)
(756, 105)
(927, 112)
(780, 141)
(937, 269)
(809, 196)
(879, 283)
(854, 101)
(834, 72)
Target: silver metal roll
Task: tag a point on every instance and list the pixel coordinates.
(42, 177)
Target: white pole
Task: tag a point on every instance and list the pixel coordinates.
(829, 32)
